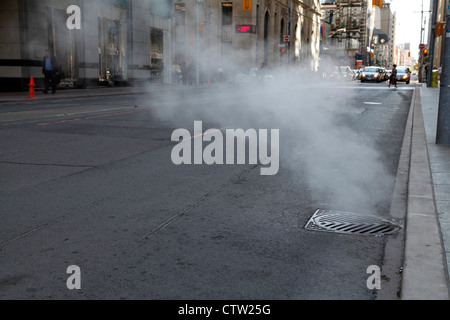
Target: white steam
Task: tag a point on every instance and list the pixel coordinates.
(337, 162)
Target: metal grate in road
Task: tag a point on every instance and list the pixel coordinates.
(350, 223)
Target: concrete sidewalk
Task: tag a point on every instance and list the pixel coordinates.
(427, 240)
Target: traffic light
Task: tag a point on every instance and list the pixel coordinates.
(282, 50)
(425, 52)
(202, 26)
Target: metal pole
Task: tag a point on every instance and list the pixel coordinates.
(421, 42)
(197, 59)
(170, 58)
(290, 34)
(443, 123)
(421, 25)
(432, 42)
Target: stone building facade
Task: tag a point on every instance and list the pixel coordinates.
(246, 33)
(135, 41)
(120, 41)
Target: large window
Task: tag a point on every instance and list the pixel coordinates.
(282, 31)
(227, 13)
(179, 14)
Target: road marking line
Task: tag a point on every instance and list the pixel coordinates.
(372, 103)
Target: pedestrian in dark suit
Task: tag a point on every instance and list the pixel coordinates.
(50, 70)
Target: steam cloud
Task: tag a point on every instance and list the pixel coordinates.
(337, 162)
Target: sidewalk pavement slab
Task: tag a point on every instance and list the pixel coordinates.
(427, 244)
(439, 156)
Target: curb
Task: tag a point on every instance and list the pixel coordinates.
(102, 92)
(80, 93)
(393, 262)
(424, 273)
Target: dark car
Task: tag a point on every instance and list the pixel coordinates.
(372, 74)
(403, 74)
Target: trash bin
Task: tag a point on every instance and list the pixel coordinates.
(435, 79)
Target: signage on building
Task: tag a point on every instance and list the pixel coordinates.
(246, 4)
(245, 28)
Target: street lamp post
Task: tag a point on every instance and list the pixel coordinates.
(197, 53)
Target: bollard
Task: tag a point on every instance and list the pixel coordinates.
(31, 85)
(435, 79)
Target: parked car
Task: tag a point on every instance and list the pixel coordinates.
(342, 73)
(403, 74)
(253, 76)
(372, 74)
(346, 72)
(246, 76)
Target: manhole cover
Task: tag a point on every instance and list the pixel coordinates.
(350, 223)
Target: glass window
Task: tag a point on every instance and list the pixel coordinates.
(227, 13)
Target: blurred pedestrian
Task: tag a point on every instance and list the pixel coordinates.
(393, 79)
(190, 73)
(50, 71)
(440, 72)
(183, 74)
(176, 70)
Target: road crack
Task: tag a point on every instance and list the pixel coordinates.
(49, 164)
(196, 203)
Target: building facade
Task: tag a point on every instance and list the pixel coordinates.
(386, 24)
(347, 31)
(134, 41)
(232, 34)
(403, 55)
(119, 41)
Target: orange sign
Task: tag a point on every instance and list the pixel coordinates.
(246, 4)
(377, 3)
(439, 29)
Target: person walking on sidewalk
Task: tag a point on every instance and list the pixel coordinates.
(393, 79)
(50, 70)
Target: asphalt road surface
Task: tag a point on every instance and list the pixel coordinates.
(91, 183)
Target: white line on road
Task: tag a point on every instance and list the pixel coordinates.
(372, 103)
